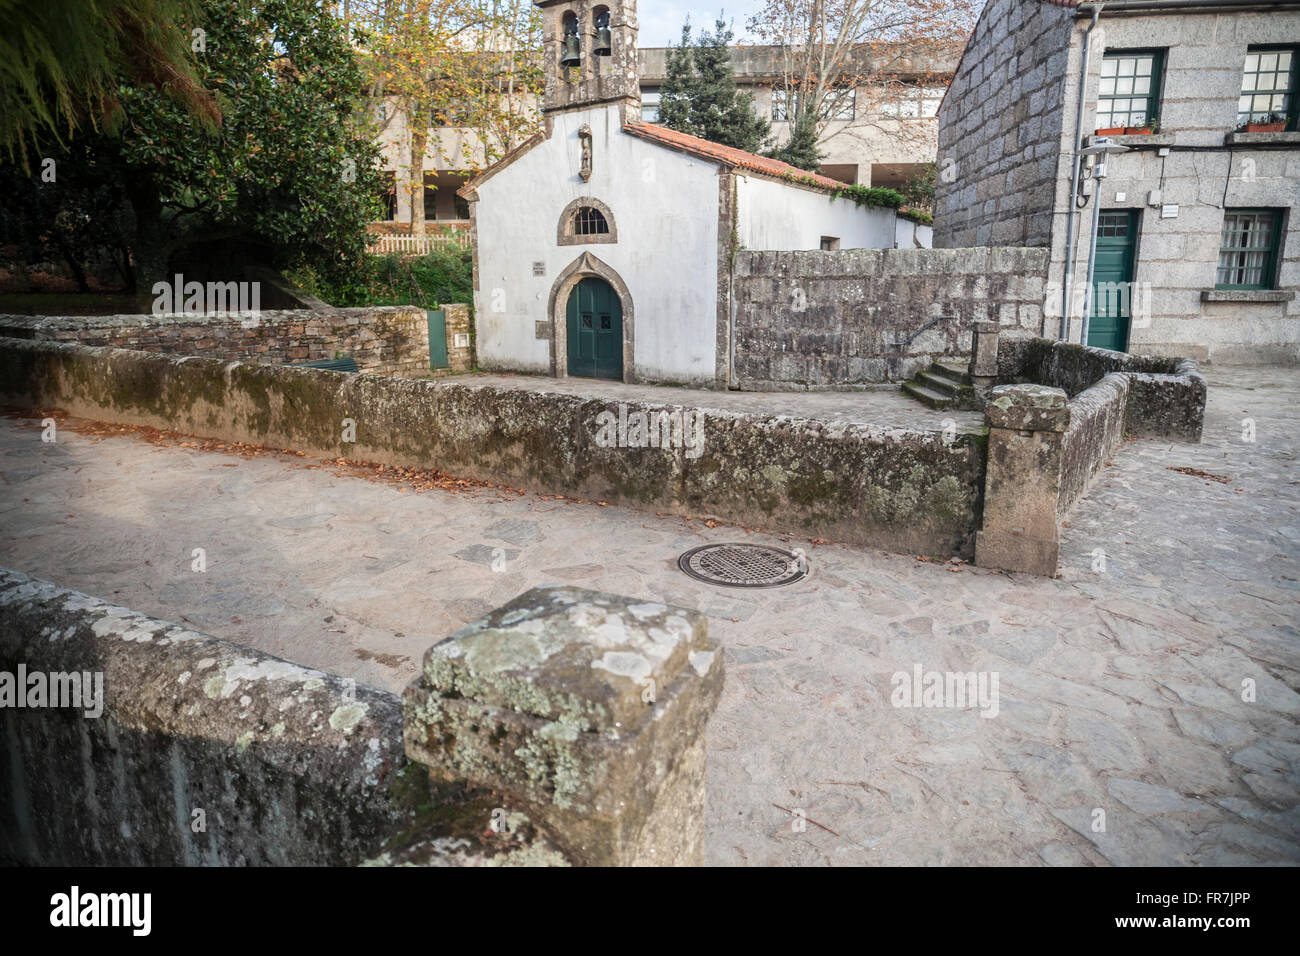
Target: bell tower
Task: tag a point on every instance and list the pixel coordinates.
(589, 54)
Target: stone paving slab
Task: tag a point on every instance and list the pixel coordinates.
(885, 405)
(1120, 684)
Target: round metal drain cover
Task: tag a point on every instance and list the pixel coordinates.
(744, 565)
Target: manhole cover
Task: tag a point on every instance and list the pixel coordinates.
(744, 565)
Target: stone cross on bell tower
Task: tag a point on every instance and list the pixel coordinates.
(589, 54)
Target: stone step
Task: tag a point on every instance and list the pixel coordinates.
(958, 372)
(940, 383)
(928, 396)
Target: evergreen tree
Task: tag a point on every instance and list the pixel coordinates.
(699, 94)
(801, 148)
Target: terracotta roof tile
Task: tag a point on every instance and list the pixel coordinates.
(729, 155)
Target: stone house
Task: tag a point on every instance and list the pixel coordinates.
(1198, 243)
(604, 245)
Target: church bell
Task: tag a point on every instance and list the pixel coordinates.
(603, 42)
(572, 54)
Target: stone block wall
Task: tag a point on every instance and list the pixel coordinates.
(843, 319)
(1000, 128)
(388, 340)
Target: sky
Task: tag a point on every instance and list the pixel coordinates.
(659, 22)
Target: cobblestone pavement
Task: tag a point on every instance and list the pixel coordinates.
(885, 405)
(1120, 686)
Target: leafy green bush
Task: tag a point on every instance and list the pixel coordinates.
(442, 276)
(919, 190)
(871, 196)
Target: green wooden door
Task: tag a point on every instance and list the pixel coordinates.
(437, 339)
(595, 326)
(1112, 278)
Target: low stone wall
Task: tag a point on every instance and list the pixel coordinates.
(389, 340)
(856, 317)
(205, 753)
(1096, 430)
(886, 488)
(1166, 397)
(185, 749)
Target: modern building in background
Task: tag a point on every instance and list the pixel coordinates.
(880, 137)
(1198, 243)
(877, 136)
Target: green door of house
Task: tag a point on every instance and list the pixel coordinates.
(595, 327)
(437, 338)
(1112, 278)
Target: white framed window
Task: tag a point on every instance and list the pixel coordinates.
(650, 98)
(1270, 83)
(1128, 92)
(841, 103)
(912, 102)
(780, 104)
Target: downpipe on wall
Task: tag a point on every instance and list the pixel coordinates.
(1070, 240)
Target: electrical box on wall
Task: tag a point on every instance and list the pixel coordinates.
(1154, 197)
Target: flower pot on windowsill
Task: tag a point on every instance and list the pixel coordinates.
(1264, 128)
(1111, 131)
(1138, 131)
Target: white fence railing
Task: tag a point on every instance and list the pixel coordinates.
(419, 245)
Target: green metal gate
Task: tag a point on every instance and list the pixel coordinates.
(437, 339)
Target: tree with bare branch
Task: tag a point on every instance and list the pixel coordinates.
(843, 58)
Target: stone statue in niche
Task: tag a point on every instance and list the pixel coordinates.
(584, 135)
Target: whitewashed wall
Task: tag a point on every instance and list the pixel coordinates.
(665, 207)
(781, 216)
(912, 235)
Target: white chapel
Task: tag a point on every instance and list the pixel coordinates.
(603, 245)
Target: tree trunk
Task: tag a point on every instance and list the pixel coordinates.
(78, 273)
(419, 136)
(149, 251)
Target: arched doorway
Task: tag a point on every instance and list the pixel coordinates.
(594, 327)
